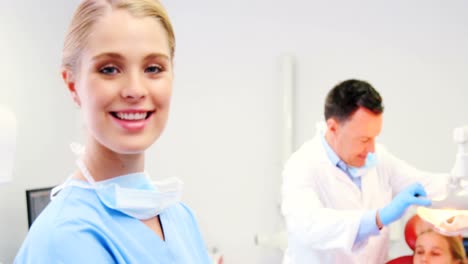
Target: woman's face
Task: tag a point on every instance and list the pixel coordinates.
(432, 248)
(123, 82)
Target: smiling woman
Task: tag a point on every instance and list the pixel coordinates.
(125, 58)
(117, 66)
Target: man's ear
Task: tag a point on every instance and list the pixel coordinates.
(69, 79)
(332, 125)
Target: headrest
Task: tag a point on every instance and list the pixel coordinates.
(413, 228)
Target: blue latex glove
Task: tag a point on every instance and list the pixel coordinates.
(411, 195)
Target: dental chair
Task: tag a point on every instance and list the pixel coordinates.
(413, 227)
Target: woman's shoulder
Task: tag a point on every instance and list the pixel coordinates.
(71, 205)
(70, 219)
(74, 202)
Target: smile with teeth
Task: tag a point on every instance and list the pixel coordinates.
(132, 116)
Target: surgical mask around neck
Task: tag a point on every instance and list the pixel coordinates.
(134, 194)
(371, 161)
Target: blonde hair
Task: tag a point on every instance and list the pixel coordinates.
(89, 12)
(455, 246)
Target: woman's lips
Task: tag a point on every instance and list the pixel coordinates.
(132, 121)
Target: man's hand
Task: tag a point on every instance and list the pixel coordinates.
(413, 194)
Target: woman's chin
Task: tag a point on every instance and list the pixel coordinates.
(131, 149)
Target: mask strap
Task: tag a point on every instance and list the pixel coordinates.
(58, 188)
(85, 171)
(79, 150)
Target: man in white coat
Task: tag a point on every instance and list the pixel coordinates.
(340, 190)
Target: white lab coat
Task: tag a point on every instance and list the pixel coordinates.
(323, 207)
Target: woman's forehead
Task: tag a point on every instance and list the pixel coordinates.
(118, 31)
(432, 238)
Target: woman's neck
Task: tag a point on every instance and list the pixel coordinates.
(103, 163)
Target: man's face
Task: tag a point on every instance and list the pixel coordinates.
(354, 138)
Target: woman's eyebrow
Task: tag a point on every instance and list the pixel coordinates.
(117, 56)
(112, 55)
(157, 55)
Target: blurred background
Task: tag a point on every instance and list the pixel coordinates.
(225, 134)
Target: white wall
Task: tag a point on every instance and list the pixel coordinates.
(31, 35)
(224, 133)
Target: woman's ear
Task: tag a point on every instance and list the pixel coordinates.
(69, 79)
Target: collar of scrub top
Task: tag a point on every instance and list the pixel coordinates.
(333, 157)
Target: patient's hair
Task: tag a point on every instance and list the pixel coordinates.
(346, 97)
(90, 11)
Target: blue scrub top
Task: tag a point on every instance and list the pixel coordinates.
(77, 228)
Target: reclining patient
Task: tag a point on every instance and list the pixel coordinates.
(434, 248)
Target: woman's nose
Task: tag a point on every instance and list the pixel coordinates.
(424, 259)
(134, 89)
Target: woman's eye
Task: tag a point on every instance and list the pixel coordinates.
(109, 70)
(153, 69)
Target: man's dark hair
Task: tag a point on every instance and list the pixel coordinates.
(346, 97)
